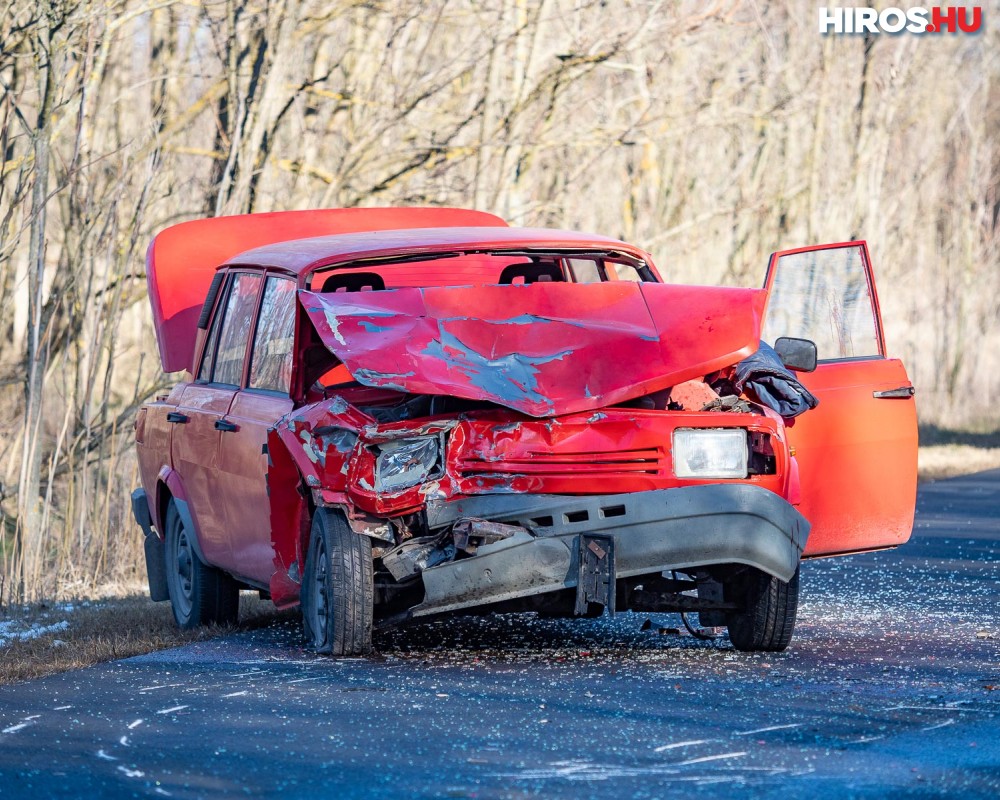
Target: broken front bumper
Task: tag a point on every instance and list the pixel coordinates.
(651, 532)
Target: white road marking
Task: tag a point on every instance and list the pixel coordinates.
(133, 725)
(718, 757)
(938, 708)
(16, 728)
(771, 728)
(944, 724)
(691, 743)
(132, 773)
(171, 710)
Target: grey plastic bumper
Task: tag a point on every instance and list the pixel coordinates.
(654, 531)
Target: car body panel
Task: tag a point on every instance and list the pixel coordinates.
(542, 349)
(242, 461)
(857, 456)
(856, 451)
(194, 454)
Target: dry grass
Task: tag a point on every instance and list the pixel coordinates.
(947, 452)
(105, 630)
(948, 460)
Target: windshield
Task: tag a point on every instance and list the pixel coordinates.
(478, 269)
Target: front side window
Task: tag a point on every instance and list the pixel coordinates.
(823, 295)
(241, 303)
(271, 361)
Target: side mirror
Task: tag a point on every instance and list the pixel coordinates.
(797, 354)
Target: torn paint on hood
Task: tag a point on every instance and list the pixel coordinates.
(543, 349)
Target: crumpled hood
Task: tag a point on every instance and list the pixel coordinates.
(543, 349)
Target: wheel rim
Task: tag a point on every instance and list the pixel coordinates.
(320, 591)
(182, 574)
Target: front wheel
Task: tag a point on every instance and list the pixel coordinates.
(199, 594)
(767, 620)
(337, 587)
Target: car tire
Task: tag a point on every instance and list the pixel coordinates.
(337, 587)
(768, 619)
(199, 594)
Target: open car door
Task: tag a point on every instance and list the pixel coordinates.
(857, 450)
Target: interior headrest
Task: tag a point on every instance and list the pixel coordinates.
(354, 282)
(531, 272)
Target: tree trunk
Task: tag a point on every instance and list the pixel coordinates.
(30, 535)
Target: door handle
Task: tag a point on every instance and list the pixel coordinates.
(902, 393)
(225, 425)
(176, 416)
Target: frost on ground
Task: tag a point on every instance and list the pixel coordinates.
(20, 631)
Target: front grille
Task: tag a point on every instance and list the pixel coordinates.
(550, 465)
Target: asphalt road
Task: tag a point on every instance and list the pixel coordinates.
(891, 689)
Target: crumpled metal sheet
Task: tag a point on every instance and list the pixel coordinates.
(541, 349)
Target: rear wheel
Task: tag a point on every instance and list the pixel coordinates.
(199, 594)
(768, 618)
(337, 587)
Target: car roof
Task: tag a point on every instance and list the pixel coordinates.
(300, 256)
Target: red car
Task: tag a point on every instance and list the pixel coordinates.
(389, 414)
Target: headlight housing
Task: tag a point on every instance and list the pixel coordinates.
(710, 453)
(406, 462)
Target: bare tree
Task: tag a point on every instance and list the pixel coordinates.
(709, 133)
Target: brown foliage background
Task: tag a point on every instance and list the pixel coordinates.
(710, 133)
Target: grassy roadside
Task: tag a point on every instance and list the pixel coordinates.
(80, 634)
(91, 631)
(946, 453)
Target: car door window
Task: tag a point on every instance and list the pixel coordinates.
(235, 332)
(208, 356)
(590, 270)
(622, 272)
(824, 295)
(584, 270)
(271, 360)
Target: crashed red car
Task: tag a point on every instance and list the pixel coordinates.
(390, 414)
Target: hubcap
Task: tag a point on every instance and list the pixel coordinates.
(183, 573)
(320, 592)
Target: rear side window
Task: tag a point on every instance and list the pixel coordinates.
(271, 362)
(823, 295)
(208, 359)
(584, 270)
(623, 272)
(241, 302)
